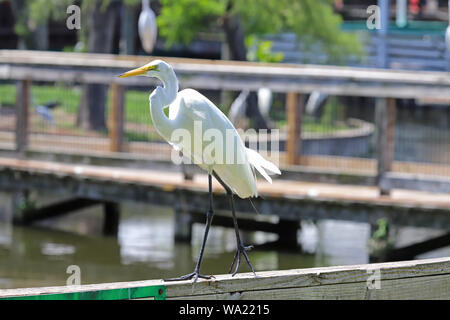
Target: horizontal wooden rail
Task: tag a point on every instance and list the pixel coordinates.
(211, 74)
(419, 279)
(83, 60)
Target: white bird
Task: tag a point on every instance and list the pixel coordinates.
(316, 101)
(147, 27)
(189, 110)
(264, 101)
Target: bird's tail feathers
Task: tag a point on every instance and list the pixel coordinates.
(261, 164)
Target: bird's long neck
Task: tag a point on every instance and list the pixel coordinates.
(145, 4)
(161, 98)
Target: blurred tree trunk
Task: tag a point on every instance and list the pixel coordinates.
(101, 23)
(127, 29)
(33, 35)
(236, 45)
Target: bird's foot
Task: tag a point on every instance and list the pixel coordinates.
(241, 250)
(193, 275)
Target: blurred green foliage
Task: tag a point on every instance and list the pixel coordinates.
(180, 21)
(313, 21)
(32, 13)
(259, 50)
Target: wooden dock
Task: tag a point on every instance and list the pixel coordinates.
(418, 279)
(290, 200)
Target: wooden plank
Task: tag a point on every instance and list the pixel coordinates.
(320, 279)
(424, 288)
(291, 200)
(22, 114)
(415, 181)
(116, 118)
(294, 103)
(419, 279)
(385, 122)
(31, 58)
(236, 80)
(410, 251)
(53, 210)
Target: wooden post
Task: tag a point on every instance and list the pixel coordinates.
(287, 234)
(382, 54)
(116, 119)
(385, 122)
(22, 114)
(127, 30)
(19, 201)
(294, 103)
(183, 225)
(111, 218)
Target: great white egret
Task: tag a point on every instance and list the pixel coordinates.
(187, 110)
(147, 27)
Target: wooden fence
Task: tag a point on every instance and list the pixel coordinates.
(419, 279)
(294, 80)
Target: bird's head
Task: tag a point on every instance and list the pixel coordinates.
(156, 68)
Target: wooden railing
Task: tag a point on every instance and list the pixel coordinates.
(294, 80)
(420, 279)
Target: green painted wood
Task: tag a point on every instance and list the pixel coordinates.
(149, 292)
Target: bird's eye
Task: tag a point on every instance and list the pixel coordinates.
(152, 68)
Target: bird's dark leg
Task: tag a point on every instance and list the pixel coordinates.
(241, 249)
(209, 216)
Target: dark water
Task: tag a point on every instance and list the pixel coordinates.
(145, 249)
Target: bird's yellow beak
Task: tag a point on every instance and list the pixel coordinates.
(138, 71)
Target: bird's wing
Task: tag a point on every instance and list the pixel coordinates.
(197, 108)
(52, 104)
(178, 110)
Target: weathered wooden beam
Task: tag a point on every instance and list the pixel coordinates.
(226, 75)
(324, 169)
(64, 207)
(385, 122)
(410, 251)
(234, 82)
(294, 103)
(418, 279)
(110, 184)
(411, 181)
(22, 114)
(187, 65)
(116, 118)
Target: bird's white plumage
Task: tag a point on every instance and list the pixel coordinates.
(189, 110)
(147, 27)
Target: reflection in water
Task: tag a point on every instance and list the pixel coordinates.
(144, 248)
